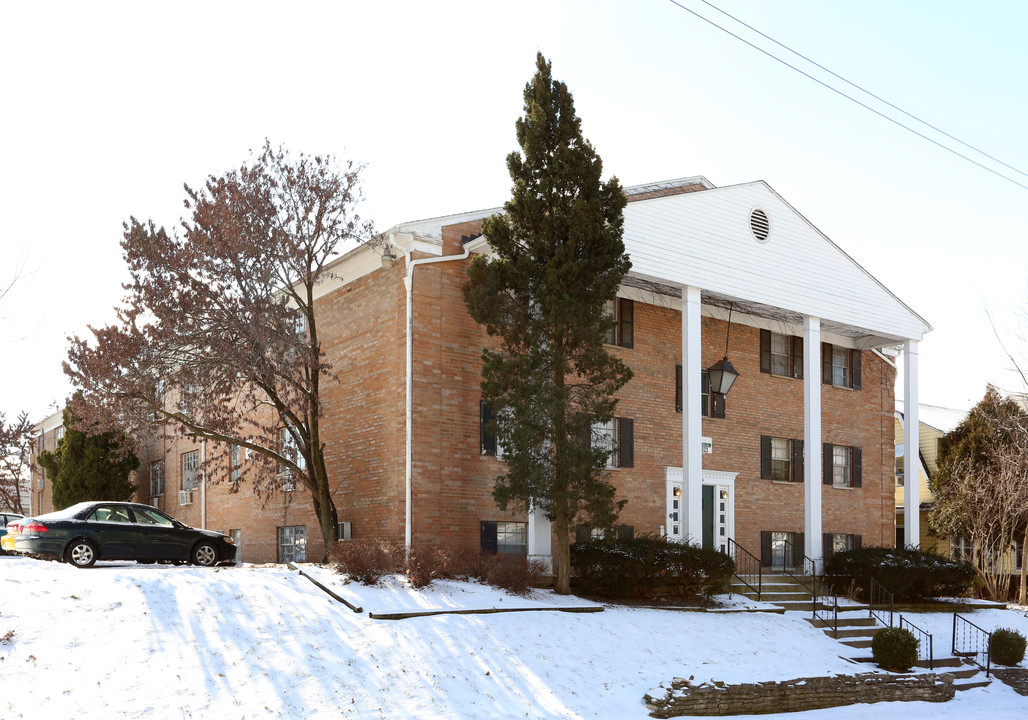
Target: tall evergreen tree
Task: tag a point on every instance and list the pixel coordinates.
(89, 467)
(559, 259)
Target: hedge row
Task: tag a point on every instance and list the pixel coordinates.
(646, 567)
(908, 573)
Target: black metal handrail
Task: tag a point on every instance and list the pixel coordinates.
(807, 576)
(823, 611)
(747, 565)
(968, 639)
(924, 640)
(880, 602)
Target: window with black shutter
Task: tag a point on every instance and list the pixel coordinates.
(781, 459)
(781, 354)
(711, 404)
(622, 311)
(840, 366)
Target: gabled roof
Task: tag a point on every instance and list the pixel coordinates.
(706, 240)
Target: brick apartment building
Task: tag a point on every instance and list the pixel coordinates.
(799, 454)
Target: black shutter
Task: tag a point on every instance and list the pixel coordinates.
(797, 461)
(626, 443)
(858, 542)
(488, 440)
(855, 369)
(583, 533)
(585, 433)
(678, 388)
(765, 456)
(718, 402)
(626, 532)
(489, 536)
(828, 546)
(765, 351)
(827, 464)
(626, 317)
(826, 363)
(797, 357)
(765, 548)
(856, 479)
(797, 549)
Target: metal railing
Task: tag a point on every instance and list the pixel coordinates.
(968, 640)
(826, 606)
(925, 642)
(880, 603)
(806, 569)
(747, 565)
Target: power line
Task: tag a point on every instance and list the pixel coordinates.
(849, 97)
(864, 90)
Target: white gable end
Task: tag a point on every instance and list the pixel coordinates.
(704, 240)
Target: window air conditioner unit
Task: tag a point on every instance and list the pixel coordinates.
(185, 497)
(344, 531)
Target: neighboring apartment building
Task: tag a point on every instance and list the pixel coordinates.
(799, 454)
(935, 423)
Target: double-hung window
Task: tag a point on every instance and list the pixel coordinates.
(292, 544)
(235, 464)
(622, 312)
(191, 470)
(781, 459)
(156, 479)
(616, 439)
(840, 366)
(711, 404)
(842, 466)
(781, 354)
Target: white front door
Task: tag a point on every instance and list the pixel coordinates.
(718, 496)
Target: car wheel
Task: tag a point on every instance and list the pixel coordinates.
(81, 553)
(205, 555)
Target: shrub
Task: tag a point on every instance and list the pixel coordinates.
(365, 561)
(894, 649)
(648, 566)
(908, 573)
(513, 573)
(1007, 646)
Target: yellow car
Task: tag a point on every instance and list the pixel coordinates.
(10, 521)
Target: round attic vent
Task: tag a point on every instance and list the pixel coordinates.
(760, 225)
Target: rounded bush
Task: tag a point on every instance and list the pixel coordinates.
(1007, 647)
(894, 649)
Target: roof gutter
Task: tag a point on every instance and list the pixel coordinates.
(408, 282)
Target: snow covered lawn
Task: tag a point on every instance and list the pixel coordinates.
(146, 641)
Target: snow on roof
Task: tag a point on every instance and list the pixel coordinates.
(943, 419)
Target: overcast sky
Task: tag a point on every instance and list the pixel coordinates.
(106, 109)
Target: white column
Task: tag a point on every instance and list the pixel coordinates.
(911, 448)
(812, 469)
(539, 533)
(692, 428)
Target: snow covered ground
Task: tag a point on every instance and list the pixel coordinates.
(146, 641)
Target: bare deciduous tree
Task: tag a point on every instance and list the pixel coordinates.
(15, 451)
(981, 486)
(218, 336)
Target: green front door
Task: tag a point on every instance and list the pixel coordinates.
(708, 516)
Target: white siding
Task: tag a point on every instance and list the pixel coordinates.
(703, 239)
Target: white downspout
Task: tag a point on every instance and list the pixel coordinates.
(408, 282)
(203, 484)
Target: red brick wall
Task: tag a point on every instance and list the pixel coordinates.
(362, 326)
